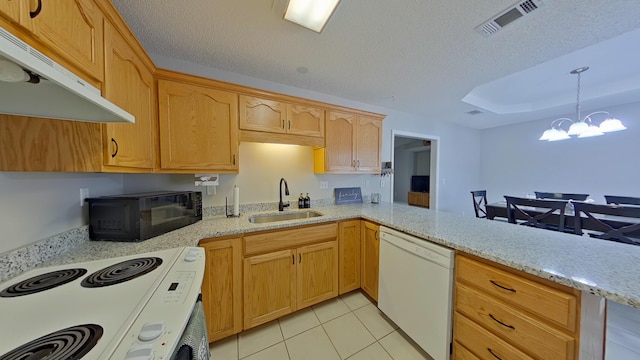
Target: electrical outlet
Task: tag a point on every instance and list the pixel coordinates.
(366, 183)
(381, 183)
(84, 193)
(324, 185)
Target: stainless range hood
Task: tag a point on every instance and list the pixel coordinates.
(54, 92)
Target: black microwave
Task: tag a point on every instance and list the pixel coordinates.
(137, 217)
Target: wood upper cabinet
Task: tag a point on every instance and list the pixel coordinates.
(128, 84)
(349, 252)
(317, 273)
(353, 143)
(269, 287)
(370, 235)
(262, 115)
(368, 144)
(198, 128)
(222, 287)
(73, 29)
(257, 114)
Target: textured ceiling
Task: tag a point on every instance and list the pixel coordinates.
(417, 56)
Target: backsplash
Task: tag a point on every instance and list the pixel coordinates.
(17, 261)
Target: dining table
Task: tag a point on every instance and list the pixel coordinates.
(499, 210)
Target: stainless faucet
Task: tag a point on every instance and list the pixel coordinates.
(282, 205)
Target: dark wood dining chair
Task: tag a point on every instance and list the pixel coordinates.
(609, 222)
(479, 203)
(561, 196)
(622, 200)
(540, 213)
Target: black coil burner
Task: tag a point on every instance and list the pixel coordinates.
(121, 272)
(42, 282)
(67, 344)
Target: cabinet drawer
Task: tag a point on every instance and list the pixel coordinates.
(271, 241)
(461, 353)
(551, 304)
(482, 343)
(513, 326)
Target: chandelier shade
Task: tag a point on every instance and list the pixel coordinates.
(581, 127)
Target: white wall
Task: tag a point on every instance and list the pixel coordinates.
(402, 172)
(423, 162)
(36, 205)
(515, 162)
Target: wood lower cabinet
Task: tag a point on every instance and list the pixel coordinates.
(353, 144)
(418, 199)
(503, 313)
(269, 287)
(288, 270)
(222, 287)
(349, 249)
(198, 126)
(370, 256)
(128, 84)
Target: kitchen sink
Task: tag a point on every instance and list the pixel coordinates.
(267, 218)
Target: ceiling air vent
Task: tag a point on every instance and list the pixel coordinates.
(508, 16)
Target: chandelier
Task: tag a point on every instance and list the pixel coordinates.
(584, 127)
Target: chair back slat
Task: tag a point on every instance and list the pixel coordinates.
(479, 198)
(594, 217)
(561, 196)
(622, 200)
(536, 212)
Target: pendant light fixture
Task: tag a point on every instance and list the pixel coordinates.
(581, 127)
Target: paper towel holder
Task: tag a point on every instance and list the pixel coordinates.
(226, 209)
(208, 180)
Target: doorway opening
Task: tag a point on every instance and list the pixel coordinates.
(415, 166)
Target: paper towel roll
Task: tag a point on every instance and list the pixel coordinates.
(236, 201)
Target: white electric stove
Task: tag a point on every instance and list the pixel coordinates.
(132, 307)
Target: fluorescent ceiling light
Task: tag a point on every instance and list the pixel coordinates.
(312, 14)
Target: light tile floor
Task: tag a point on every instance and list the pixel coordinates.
(348, 327)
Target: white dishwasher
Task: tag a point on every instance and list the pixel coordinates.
(416, 289)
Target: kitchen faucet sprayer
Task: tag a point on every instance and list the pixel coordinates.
(282, 205)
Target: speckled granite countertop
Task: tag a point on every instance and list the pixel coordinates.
(601, 267)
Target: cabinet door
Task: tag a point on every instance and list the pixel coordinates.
(198, 127)
(73, 29)
(369, 144)
(349, 251)
(11, 9)
(128, 84)
(317, 273)
(414, 198)
(370, 258)
(304, 120)
(222, 288)
(340, 142)
(269, 287)
(262, 115)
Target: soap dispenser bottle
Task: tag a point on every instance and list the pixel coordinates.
(307, 201)
(301, 201)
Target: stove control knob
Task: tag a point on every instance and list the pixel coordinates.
(192, 255)
(140, 352)
(151, 331)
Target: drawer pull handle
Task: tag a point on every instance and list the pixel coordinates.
(501, 323)
(502, 287)
(494, 355)
(293, 259)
